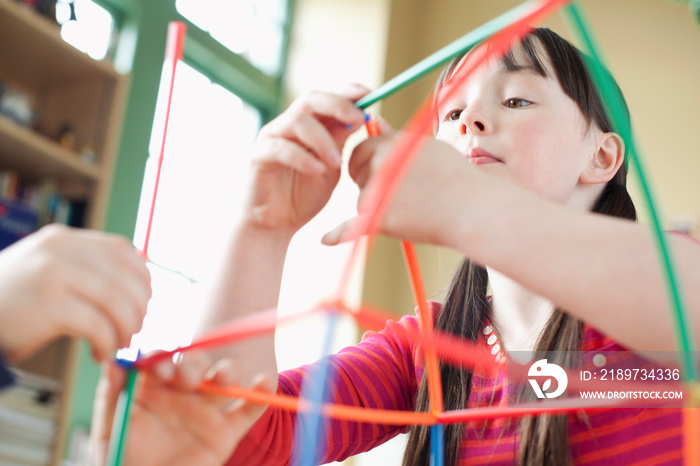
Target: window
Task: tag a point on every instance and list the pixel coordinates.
(211, 125)
(201, 182)
(86, 26)
(253, 29)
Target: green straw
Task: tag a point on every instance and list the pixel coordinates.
(613, 106)
(461, 45)
(115, 454)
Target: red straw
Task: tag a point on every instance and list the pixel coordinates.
(115, 454)
(431, 360)
(333, 410)
(395, 417)
(691, 431)
(173, 52)
(230, 332)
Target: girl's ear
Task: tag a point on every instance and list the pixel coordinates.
(605, 162)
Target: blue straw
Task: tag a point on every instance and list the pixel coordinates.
(437, 445)
(306, 433)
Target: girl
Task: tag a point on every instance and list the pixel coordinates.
(524, 162)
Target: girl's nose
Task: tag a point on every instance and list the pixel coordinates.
(479, 125)
(476, 128)
(473, 120)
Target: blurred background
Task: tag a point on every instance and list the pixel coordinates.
(81, 122)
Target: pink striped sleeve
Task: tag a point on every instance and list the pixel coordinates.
(377, 373)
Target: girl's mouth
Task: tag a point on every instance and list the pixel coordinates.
(479, 156)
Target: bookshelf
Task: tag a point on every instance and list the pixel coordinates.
(66, 88)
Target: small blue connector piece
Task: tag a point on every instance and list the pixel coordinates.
(125, 363)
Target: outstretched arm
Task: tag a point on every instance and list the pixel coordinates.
(601, 269)
(604, 270)
(295, 167)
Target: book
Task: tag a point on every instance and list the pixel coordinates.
(16, 419)
(28, 419)
(12, 454)
(27, 206)
(30, 400)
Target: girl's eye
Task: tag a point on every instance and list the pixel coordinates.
(516, 103)
(454, 115)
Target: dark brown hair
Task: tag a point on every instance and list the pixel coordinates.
(544, 438)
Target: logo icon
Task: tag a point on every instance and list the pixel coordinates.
(543, 369)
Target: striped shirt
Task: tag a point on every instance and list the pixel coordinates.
(383, 372)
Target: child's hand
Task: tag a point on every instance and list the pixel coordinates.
(65, 281)
(296, 159)
(171, 423)
(427, 203)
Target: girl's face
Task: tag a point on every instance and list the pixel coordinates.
(522, 127)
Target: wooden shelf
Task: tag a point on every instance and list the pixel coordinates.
(54, 61)
(38, 157)
(66, 89)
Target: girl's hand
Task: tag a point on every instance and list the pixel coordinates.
(296, 159)
(429, 198)
(171, 423)
(66, 281)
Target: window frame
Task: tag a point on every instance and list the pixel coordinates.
(148, 21)
(141, 27)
